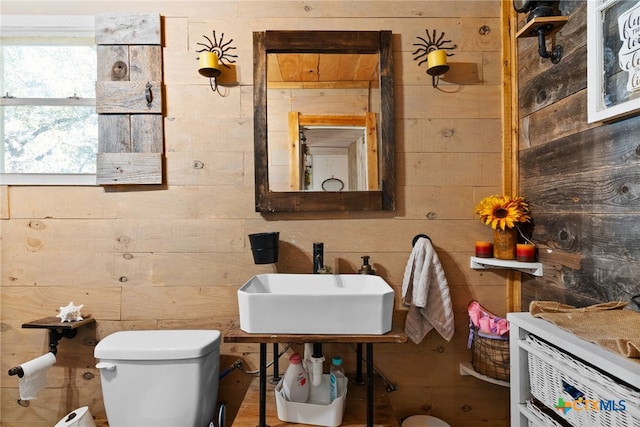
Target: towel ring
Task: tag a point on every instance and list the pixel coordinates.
(415, 239)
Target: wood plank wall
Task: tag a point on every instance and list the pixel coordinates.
(174, 257)
(581, 178)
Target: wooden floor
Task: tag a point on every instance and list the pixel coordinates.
(355, 410)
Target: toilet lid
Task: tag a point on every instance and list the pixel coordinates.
(424, 421)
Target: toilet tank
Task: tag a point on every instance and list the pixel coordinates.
(160, 378)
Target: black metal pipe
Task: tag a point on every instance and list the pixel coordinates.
(369, 384)
(263, 385)
(276, 369)
(542, 48)
(359, 379)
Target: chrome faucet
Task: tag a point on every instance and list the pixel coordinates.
(318, 257)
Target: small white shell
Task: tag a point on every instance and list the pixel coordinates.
(70, 313)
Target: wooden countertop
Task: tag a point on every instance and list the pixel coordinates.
(235, 334)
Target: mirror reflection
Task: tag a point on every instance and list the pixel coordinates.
(332, 159)
(321, 121)
(323, 82)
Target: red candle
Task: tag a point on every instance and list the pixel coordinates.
(484, 249)
(525, 252)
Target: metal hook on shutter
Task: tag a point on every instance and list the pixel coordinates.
(148, 95)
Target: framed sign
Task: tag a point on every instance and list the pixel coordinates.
(613, 59)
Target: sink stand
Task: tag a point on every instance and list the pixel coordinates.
(236, 335)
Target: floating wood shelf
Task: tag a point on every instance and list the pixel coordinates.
(533, 268)
(55, 323)
(58, 329)
(549, 24)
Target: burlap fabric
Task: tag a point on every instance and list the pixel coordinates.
(606, 324)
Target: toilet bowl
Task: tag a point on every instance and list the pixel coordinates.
(423, 421)
(159, 378)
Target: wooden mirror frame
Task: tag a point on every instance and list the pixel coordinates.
(323, 42)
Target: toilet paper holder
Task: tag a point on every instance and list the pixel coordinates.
(57, 331)
(16, 370)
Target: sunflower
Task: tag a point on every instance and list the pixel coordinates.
(503, 211)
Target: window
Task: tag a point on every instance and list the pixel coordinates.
(48, 121)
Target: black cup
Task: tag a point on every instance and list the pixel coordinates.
(264, 247)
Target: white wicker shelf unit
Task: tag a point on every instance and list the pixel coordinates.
(614, 367)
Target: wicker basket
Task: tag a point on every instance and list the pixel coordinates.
(490, 355)
(555, 375)
(539, 418)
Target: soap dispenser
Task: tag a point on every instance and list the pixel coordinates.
(366, 268)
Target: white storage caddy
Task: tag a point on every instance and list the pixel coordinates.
(317, 411)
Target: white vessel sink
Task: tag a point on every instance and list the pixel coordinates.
(316, 304)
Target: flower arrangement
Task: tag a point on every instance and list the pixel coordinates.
(503, 211)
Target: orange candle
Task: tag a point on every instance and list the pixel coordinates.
(525, 252)
(484, 249)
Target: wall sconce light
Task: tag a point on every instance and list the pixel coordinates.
(214, 54)
(434, 52)
(543, 21)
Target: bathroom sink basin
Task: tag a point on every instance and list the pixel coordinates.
(316, 304)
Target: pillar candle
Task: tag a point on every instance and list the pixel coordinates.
(437, 58)
(484, 249)
(525, 252)
(208, 60)
(209, 64)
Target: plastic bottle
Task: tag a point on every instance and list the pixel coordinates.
(336, 378)
(306, 360)
(295, 384)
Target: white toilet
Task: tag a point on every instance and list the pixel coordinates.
(423, 421)
(160, 378)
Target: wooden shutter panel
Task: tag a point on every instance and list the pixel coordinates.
(129, 99)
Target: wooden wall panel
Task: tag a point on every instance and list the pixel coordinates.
(580, 179)
(178, 302)
(455, 135)
(59, 202)
(205, 168)
(173, 256)
(218, 135)
(185, 235)
(425, 168)
(67, 268)
(472, 102)
(4, 202)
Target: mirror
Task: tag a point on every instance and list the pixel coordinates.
(323, 121)
(331, 153)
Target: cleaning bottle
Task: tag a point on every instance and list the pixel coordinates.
(306, 360)
(295, 384)
(336, 378)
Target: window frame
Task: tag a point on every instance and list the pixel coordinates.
(72, 26)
